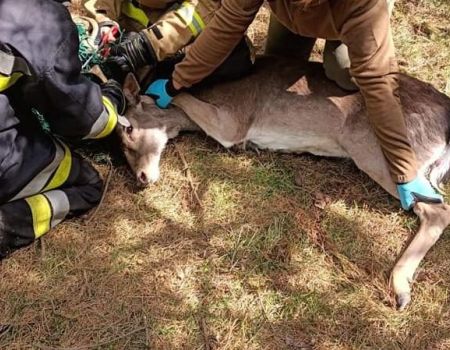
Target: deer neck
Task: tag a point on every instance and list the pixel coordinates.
(178, 119)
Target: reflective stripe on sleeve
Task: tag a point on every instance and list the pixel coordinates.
(41, 212)
(191, 18)
(106, 122)
(7, 81)
(135, 13)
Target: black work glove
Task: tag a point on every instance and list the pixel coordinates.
(131, 54)
(112, 90)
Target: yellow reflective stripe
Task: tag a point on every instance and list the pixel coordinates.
(62, 173)
(186, 13)
(191, 17)
(7, 81)
(129, 10)
(193, 29)
(41, 212)
(42, 179)
(112, 119)
(199, 21)
(196, 24)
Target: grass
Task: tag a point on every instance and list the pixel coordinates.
(262, 263)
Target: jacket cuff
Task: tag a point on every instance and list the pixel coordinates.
(176, 78)
(170, 89)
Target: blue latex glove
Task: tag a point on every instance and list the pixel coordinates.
(417, 190)
(158, 90)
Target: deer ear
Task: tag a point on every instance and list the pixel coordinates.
(131, 89)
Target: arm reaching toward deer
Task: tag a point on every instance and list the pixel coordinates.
(211, 49)
(376, 73)
(217, 41)
(374, 67)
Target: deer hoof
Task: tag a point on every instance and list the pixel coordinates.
(401, 283)
(403, 299)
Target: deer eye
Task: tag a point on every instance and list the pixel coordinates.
(129, 130)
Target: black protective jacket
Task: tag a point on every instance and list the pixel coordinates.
(42, 34)
(41, 181)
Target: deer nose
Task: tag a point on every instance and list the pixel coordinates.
(142, 178)
(146, 177)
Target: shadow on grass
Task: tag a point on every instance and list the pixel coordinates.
(257, 266)
(361, 231)
(356, 311)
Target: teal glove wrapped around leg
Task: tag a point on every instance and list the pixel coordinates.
(162, 91)
(417, 190)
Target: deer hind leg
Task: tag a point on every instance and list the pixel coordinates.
(434, 218)
(221, 125)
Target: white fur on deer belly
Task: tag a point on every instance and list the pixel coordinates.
(310, 143)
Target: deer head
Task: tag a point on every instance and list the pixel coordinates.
(145, 135)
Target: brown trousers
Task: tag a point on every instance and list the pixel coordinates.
(336, 60)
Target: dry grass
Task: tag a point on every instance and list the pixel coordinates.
(258, 265)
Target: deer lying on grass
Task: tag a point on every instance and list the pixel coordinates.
(286, 107)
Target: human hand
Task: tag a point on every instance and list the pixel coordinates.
(162, 91)
(417, 190)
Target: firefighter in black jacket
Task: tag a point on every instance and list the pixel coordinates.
(41, 180)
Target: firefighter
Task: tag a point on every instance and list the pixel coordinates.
(363, 26)
(164, 28)
(41, 181)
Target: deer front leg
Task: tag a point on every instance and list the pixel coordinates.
(219, 124)
(434, 218)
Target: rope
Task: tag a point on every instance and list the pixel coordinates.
(88, 53)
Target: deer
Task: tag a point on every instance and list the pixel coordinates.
(285, 106)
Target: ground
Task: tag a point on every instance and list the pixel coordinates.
(240, 256)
